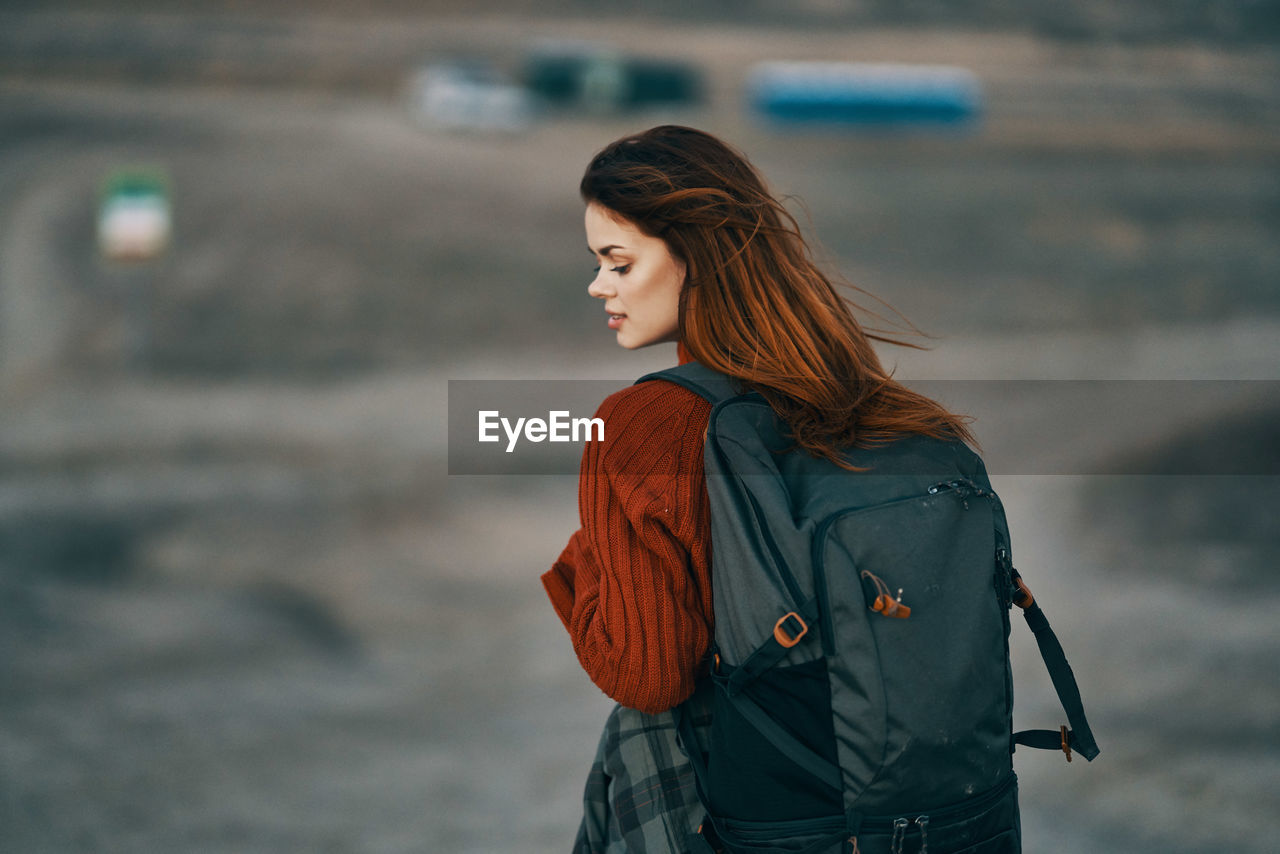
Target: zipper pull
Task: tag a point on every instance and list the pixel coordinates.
(882, 600)
(943, 487)
(899, 831)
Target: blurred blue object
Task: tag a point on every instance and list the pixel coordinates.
(867, 94)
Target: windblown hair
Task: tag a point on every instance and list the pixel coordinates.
(754, 304)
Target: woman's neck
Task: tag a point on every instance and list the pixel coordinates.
(682, 355)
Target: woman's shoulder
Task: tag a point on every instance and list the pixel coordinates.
(649, 422)
(653, 401)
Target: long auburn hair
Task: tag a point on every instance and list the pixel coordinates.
(754, 304)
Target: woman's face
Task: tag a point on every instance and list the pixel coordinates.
(638, 279)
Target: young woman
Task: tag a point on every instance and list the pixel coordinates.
(692, 248)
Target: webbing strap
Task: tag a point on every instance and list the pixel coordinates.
(788, 744)
(779, 738)
(1047, 739)
(790, 629)
(710, 385)
(698, 844)
(1079, 736)
(689, 741)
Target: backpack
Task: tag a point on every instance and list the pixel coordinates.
(860, 690)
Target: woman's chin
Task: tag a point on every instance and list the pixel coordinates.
(630, 341)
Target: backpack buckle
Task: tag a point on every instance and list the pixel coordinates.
(790, 629)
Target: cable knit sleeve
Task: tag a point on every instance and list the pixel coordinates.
(633, 585)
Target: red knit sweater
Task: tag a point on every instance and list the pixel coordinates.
(633, 587)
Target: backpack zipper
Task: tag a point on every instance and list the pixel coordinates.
(962, 487)
(965, 809)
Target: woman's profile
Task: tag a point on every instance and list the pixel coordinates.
(693, 248)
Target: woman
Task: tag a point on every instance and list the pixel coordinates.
(692, 248)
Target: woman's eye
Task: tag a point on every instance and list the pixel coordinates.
(621, 269)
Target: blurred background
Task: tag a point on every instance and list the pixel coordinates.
(244, 607)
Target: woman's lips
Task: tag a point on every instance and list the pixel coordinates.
(615, 320)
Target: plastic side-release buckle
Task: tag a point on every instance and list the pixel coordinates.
(789, 629)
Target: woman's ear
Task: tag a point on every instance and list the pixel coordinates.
(683, 268)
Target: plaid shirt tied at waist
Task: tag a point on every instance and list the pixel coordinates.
(640, 794)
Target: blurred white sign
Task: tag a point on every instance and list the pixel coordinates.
(135, 222)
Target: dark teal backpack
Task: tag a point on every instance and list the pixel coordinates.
(861, 695)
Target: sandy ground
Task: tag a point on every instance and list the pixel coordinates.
(245, 608)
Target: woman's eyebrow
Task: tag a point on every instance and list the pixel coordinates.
(606, 251)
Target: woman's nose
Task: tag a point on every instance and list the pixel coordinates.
(597, 289)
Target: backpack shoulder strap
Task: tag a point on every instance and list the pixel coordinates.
(711, 385)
